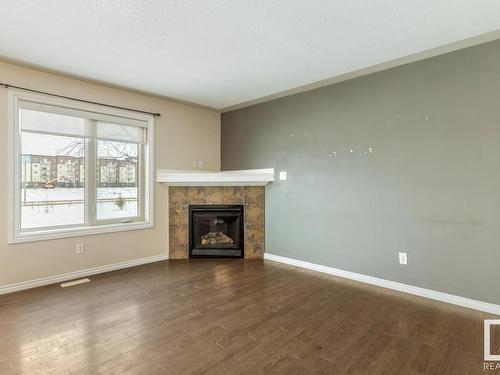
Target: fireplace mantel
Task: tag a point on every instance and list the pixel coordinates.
(248, 177)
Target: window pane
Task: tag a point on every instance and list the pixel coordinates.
(117, 180)
(52, 180)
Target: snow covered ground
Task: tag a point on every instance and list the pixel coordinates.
(47, 214)
(63, 194)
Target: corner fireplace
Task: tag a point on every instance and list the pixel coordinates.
(216, 231)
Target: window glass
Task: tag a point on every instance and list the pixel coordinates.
(117, 180)
(52, 180)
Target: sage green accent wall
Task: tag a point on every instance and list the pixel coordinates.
(431, 186)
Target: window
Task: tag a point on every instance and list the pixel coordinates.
(78, 168)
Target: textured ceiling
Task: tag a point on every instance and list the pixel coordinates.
(220, 53)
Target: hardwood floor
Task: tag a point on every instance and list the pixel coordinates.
(234, 317)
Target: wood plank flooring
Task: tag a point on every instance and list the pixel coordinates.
(234, 317)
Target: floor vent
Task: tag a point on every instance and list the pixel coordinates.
(75, 282)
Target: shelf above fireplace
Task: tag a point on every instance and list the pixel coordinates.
(248, 177)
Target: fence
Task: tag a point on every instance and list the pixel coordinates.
(69, 202)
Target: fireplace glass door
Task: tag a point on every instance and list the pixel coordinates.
(216, 231)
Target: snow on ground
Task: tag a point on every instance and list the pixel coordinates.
(63, 194)
(72, 213)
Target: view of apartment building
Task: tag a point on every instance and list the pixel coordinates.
(69, 171)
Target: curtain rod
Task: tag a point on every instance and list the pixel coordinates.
(6, 85)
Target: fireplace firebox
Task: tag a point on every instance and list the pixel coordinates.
(216, 231)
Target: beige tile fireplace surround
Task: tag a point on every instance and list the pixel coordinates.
(251, 197)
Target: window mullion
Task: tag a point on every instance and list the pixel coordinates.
(140, 177)
(91, 175)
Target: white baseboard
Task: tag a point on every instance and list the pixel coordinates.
(77, 274)
(427, 293)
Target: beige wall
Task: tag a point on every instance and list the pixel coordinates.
(183, 133)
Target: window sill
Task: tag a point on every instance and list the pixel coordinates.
(46, 235)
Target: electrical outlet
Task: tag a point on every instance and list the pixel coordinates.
(283, 176)
(403, 258)
(80, 248)
(198, 164)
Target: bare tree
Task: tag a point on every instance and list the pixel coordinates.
(105, 149)
(75, 148)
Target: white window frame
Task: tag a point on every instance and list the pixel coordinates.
(16, 235)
